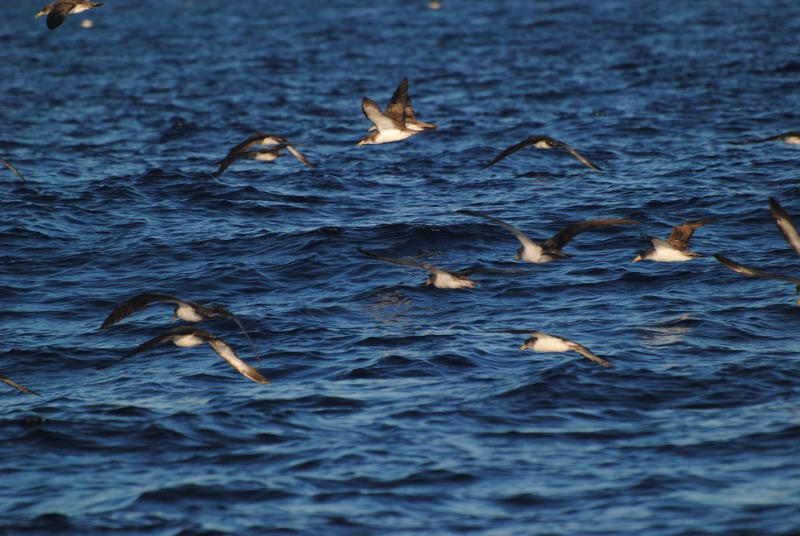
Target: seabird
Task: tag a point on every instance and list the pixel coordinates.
(389, 129)
(438, 278)
(259, 138)
(57, 11)
(18, 386)
(545, 343)
(185, 310)
(444, 278)
(550, 250)
(792, 138)
(400, 110)
(787, 227)
(12, 168)
(541, 142)
(676, 247)
(187, 336)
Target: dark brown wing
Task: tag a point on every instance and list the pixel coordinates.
(134, 304)
(580, 158)
(299, 156)
(215, 309)
(228, 354)
(785, 224)
(560, 239)
(12, 168)
(585, 352)
(396, 109)
(58, 15)
(681, 234)
(509, 151)
(12, 383)
(754, 272)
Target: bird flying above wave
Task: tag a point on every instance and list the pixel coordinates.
(240, 150)
(541, 142)
(57, 11)
(551, 249)
(546, 343)
(186, 337)
(676, 247)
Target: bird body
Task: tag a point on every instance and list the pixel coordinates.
(676, 247)
(264, 155)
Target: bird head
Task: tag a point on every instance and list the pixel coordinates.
(529, 342)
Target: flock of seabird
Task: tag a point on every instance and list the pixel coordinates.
(398, 122)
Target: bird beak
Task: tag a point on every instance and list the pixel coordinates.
(516, 257)
(174, 318)
(522, 347)
(428, 282)
(638, 258)
(39, 14)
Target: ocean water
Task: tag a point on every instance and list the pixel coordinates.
(397, 408)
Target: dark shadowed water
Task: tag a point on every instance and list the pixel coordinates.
(397, 408)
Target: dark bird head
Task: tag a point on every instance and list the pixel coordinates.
(529, 343)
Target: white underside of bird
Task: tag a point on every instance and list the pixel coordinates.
(666, 253)
(445, 280)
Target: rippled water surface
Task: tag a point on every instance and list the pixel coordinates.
(397, 408)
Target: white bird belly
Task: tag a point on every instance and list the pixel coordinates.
(547, 343)
(669, 255)
(187, 341)
(388, 136)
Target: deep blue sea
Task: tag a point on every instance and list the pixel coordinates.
(397, 408)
